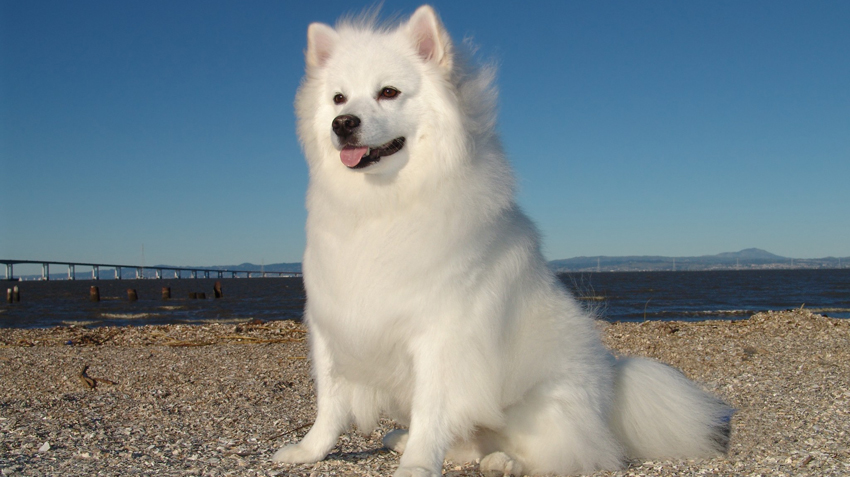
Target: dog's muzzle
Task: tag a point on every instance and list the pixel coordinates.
(358, 156)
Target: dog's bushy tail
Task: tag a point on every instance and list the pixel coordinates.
(659, 413)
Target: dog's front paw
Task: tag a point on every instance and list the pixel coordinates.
(499, 464)
(297, 454)
(415, 472)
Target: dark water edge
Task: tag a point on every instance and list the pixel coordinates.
(705, 295)
(613, 296)
(66, 302)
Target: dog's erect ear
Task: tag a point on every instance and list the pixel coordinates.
(321, 39)
(429, 36)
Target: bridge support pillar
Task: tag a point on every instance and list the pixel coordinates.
(10, 271)
(45, 271)
(72, 274)
(95, 272)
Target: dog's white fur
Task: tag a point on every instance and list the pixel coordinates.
(428, 299)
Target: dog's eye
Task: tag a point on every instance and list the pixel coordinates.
(388, 93)
(339, 98)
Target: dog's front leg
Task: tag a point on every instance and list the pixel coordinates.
(334, 410)
(430, 433)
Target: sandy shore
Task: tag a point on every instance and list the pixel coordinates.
(219, 399)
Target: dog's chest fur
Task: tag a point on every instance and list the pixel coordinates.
(375, 285)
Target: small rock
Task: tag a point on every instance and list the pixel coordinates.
(44, 447)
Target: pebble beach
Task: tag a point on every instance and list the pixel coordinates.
(219, 399)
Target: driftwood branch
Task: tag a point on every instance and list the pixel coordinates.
(90, 382)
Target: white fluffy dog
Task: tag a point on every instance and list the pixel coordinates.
(428, 299)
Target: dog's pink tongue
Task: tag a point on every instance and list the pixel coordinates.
(351, 155)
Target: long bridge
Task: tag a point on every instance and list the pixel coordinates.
(159, 271)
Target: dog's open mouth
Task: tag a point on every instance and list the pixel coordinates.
(358, 157)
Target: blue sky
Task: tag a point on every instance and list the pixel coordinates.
(669, 128)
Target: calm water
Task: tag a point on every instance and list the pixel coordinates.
(65, 302)
(634, 296)
(626, 296)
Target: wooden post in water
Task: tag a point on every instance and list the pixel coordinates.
(132, 295)
(166, 293)
(217, 290)
(16, 293)
(94, 293)
(193, 296)
(202, 296)
(9, 296)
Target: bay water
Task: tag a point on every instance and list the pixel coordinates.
(612, 296)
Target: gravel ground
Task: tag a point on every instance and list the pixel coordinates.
(219, 399)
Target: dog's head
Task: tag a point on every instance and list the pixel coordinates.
(369, 92)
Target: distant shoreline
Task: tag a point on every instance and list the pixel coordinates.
(749, 268)
(747, 259)
(691, 269)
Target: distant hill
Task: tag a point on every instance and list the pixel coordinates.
(750, 258)
(751, 254)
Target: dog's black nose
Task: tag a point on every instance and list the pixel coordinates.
(345, 125)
